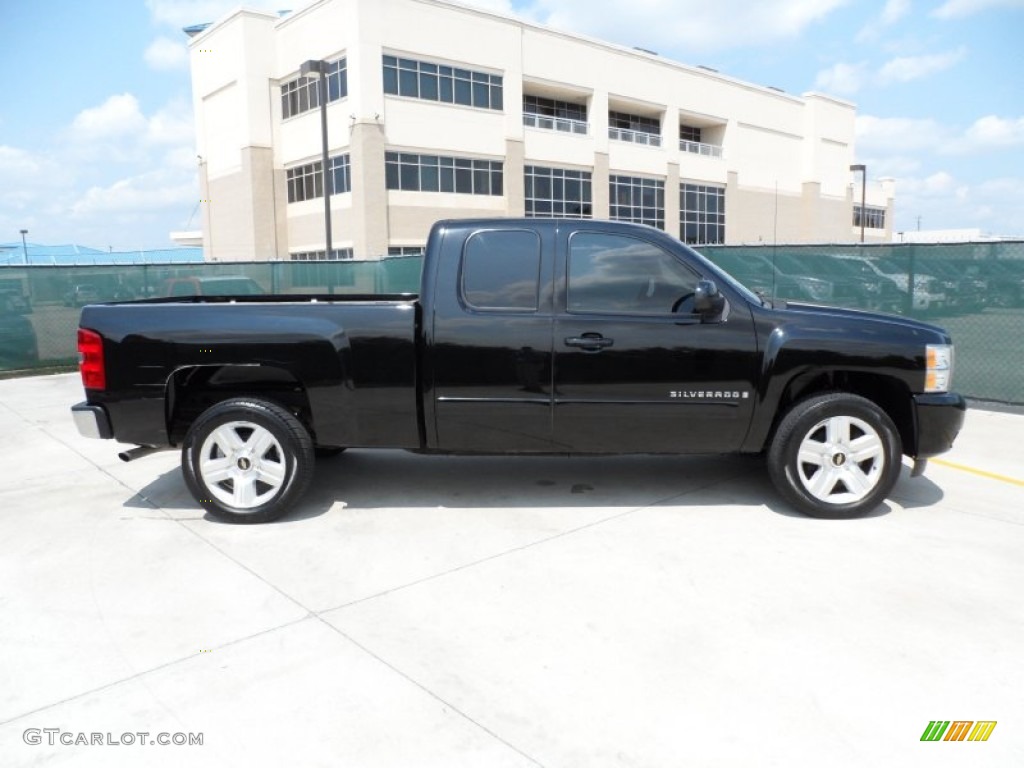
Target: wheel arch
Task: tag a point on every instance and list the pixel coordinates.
(191, 390)
(888, 393)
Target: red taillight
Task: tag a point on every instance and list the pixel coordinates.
(90, 359)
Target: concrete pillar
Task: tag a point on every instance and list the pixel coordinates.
(811, 225)
(600, 183)
(672, 198)
(258, 168)
(732, 208)
(368, 222)
(889, 187)
(515, 177)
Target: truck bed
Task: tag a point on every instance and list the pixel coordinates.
(355, 357)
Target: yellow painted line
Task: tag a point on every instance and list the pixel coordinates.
(981, 472)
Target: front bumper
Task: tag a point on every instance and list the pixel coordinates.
(92, 421)
(939, 418)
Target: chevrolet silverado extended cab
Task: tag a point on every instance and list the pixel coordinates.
(527, 337)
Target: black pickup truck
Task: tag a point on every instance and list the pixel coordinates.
(527, 337)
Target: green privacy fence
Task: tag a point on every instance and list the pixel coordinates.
(974, 290)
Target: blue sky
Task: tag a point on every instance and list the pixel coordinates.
(97, 144)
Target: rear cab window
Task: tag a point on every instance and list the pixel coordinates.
(501, 271)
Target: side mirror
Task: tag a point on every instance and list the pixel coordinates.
(707, 301)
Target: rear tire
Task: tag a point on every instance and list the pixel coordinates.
(835, 456)
(247, 460)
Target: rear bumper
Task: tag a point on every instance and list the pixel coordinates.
(939, 418)
(92, 421)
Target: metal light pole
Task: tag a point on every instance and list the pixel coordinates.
(24, 247)
(319, 68)
(863, 191)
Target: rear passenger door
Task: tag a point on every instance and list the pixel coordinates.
(635, 369)
(491, 345)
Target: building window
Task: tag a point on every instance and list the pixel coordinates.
(340, 174)
(638, 129)
(435, 173)
(337, 254)
(501, 270)
(305, 182)
(637, 199)
(303, 93)
(438, 82)
(396, 251)
(689, 133)
(558, 192)
(874, 218)
(701, 214)
(554, 115)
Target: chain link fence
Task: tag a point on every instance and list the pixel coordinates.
(974, 290)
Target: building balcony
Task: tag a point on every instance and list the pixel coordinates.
(563, 124)
(700, 148)
(635, 137)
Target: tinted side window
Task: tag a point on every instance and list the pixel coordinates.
(616, 273)
(501, 270)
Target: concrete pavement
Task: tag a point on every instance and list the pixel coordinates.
(431, 611)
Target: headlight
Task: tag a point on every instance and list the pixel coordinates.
(939, 367)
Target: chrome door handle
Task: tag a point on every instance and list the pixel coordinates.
(588, 342)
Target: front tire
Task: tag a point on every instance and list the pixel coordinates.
(835, 456)
(247, 460)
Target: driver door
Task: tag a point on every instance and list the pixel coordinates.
(635, 369)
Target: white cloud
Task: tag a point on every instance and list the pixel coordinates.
(166, 54)
(119, 121)
(894, 11)
(895, 136)
(16, 161)
(119, 176)
(934, 183)
(146, 193)
(894, 166)
(958, 9)
(940, 198)
(906, 68)
(991, 132)
(940, 183)
(841, 78)
(899, 135)
(117, 116)
(172, 124)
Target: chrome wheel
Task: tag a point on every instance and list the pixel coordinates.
(835, 455)
(840, 460)
(242, 464)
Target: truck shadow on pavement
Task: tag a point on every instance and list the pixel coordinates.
(365, 480)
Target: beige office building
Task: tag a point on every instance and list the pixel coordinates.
(437, 110)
